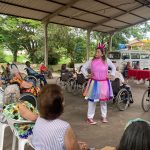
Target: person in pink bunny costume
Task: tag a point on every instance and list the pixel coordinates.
(99, 87)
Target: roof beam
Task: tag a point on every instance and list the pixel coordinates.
(115, 16)
(90, 12)
(130, 25)
(129, 12)
(144, 2)
(17, 5)
(59, 10)
(39, 10)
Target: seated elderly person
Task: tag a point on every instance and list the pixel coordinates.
(32, 72)
(50, 132)
(126, 68)
(25, 87)
(44, 70)
(119, 75)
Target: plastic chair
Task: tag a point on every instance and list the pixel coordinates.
(3, 126)
(21, 142)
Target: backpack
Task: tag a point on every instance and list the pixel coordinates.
(11, 94)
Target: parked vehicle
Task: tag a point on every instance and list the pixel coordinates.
(120, 58)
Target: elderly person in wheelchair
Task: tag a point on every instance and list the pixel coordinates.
(45, 71)
(122, 91)
(32, 72)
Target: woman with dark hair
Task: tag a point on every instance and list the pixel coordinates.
(136, 136)
(50, 132)
(99, 87)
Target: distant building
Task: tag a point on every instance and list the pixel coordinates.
(139, 44)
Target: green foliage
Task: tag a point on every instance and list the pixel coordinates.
(20, 59)
(137, 32)
(10, 35)
(18, 34)
(80, 50)
(64, 43)
(2, 57)
(53, 58)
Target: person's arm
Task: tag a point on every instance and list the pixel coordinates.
(121, 78)
(31, 71)
(70, 140)
(112, 66)
(85, 67)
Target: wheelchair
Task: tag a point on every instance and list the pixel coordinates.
(78, 84)
(33, 79)
(64, 78)
(122, 95)
(146, 99)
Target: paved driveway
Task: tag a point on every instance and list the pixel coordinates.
(101, 134)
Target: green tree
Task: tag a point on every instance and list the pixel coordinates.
(10, 35)
(2, 57)
(19, 34)
(80, 50)
(31, 37)
(137, 31)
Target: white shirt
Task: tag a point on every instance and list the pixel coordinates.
(87, 66)
(120, 76)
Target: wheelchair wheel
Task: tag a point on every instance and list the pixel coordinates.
(146, 101)
(32, 79)
(75, 88)
(69, 85)
(61, 83)
(122, 99)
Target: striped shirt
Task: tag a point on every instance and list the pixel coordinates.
(49, 134)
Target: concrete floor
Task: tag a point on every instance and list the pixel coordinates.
(101, 134)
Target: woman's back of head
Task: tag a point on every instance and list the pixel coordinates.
(136, 136)
(50, 102)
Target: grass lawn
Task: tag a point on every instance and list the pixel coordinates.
(21, 58)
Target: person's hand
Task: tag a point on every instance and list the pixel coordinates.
(89, 76)
(82, 145)
(111, 77)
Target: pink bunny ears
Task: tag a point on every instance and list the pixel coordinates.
(101, 46)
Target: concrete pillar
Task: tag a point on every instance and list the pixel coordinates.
(88, 44)
(46, 44)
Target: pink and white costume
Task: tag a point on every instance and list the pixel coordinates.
(98, 87)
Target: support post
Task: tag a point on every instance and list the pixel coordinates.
(88, 44)
(46, 44)
(110, 42)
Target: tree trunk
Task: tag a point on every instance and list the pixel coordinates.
(15, 56)
(32, 55)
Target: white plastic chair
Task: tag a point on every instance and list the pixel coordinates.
(21, 142)
(3, 126)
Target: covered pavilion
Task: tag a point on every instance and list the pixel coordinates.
(108, 16)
